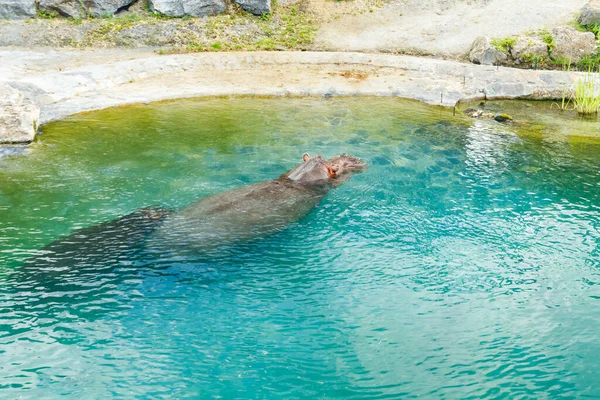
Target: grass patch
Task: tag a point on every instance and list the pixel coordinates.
(505, 44)
(590, 62)
(105, 29)
(549, 40)
(587, 94)
(75, 21)
(286, 29)
(595, 29)
(567, 93)
(46, 14)
(537, 62)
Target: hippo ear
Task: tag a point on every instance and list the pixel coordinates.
(305, 157)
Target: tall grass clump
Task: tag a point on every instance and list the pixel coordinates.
(567, 93)
(587, 93)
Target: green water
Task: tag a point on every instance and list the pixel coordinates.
(464, 263)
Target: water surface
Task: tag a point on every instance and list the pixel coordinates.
(464, 262)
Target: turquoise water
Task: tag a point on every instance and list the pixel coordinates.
(465, 262)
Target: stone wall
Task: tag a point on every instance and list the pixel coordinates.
(21, 9)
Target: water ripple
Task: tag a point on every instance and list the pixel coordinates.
(462, 264)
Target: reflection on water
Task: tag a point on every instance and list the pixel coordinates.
(463, 262)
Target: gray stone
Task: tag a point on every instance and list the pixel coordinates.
(482, 52)
(572, 45)
(590, 14)
(18, 120)
(84, 8)
(17, 9)
(528, 48)
(194, 8)
(256, 7)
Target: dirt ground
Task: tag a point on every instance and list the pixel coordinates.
(439, 28)
(444, 28)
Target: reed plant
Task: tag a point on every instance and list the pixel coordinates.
(567, 91)
(587, 93)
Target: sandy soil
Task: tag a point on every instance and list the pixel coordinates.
(445, 28)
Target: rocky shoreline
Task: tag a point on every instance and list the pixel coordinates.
(120, 60)
(61, 89)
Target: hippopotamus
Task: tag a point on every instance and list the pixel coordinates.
(256, 210)
(72, 262)
(70, 273)
(91, 250)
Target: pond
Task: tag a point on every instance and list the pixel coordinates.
(464, 262)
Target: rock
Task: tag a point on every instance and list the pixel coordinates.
(17, 9)
(502, 117)
(476, 113)
(482, 52)
(473, 113)
(18, 120)
(526, 49)
(590, 14)
(194, 8)
(256, 7)
(572, 45)
(84, 8)
(68, 8)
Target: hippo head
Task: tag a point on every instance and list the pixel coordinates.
(317, 170)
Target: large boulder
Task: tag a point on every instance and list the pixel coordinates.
(194, 8)
(84, 8)
(256, 7)
(17, 9)
(571, 44)
(590, 14)
(18, 120)
(526, 49)
(482, 52)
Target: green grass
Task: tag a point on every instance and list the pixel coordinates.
(75, 21)
(549, 40)
(587, 93)
(591, 61)
(106, 27)
(595, 29)
(504, 44)
(287, 28)
(46, 14)
(567, 92)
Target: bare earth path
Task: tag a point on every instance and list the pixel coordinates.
(444, 28)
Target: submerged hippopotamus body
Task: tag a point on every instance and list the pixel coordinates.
(90, 251)
(256, 210)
